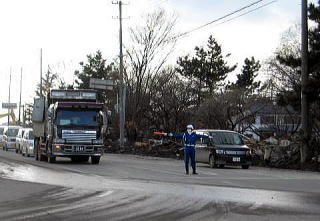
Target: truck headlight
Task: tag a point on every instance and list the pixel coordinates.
(57, 146)
(99, 141)
(219, 151)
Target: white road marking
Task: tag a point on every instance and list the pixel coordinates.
(105, 193)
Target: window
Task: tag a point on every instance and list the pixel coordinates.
(12, 132)
(79, 118)
(31, 135)
(228, 138)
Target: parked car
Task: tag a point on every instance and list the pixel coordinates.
(9, 137)
(28, 143)
(19, 139)
(1, 135)
(222, 148)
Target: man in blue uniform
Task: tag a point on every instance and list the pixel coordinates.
(189, 139)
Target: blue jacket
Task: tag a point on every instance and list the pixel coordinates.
(190, 139)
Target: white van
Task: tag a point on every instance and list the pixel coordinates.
(28, 143)
(1, 135)
(19, 140)
(9, 137)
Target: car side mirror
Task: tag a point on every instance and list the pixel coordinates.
(206, 141)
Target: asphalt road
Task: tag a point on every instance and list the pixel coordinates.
(126, 187)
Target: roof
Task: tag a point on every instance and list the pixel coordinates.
(269, 107)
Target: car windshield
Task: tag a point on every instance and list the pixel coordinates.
(228, 138)
(78, 118)
(12, 132)
(31, 136)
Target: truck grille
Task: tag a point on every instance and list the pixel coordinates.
(79, 136)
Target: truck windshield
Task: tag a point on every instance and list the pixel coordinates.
(226, 138)
(78, 118)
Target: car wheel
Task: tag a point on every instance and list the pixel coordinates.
(212, 161)
(245, 166)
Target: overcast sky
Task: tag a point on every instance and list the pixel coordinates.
(68, 30)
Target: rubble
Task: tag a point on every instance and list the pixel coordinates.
(278, 154)
(168, 149)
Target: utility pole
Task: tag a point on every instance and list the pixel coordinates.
(41, 72)
(23, 116)
(9, 98)
(304, 79)
(122, 93)
(20, 96)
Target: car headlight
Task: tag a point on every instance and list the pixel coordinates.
(248, 152)
(99, 141)
(219, 151)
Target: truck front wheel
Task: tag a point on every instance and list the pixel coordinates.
(95, 159)
(52, 159)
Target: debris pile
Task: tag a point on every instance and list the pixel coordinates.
(271, 152)
(168, 149)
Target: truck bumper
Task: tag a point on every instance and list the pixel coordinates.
(61, 150)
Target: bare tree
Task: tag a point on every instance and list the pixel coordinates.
(48, 81)
(170, 102)
(149, 49)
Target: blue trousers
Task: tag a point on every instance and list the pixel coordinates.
(189, 152)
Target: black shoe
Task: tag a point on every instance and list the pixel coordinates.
(195, 173)
(187, 172)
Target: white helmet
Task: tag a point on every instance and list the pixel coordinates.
(190, 127)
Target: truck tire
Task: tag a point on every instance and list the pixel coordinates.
(36, 156)
(51, 159)
(42, 157)
(95, 159)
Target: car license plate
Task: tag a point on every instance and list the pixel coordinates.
(236, 159)
(79, 148)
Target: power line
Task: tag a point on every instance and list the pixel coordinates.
(219, 19)
(255, 9)
(157, 2)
